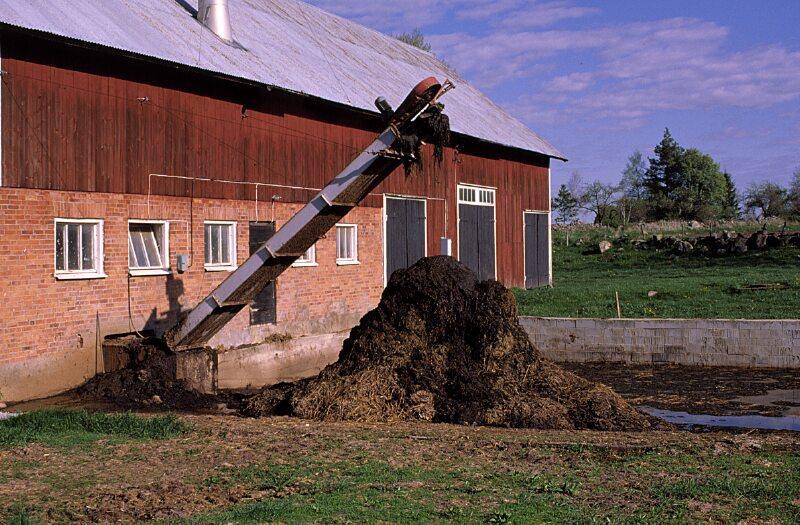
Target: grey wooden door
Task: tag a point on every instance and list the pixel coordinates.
(476, 247)
(405, 233)
(263, 309)
(537, 250)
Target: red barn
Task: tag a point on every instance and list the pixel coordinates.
(146, 149)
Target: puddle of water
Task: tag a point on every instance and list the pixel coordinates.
(706, 420)
(789, 400)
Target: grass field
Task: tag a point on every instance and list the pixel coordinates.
(235, 470)
(65, 427)
(688, 286)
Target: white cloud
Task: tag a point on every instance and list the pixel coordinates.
(545, 14)
(572, 82)
(619, 74)
(631, 70)
(402, 16)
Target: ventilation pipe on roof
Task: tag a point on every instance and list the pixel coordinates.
(214, 15)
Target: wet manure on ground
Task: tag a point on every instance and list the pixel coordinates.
(443, 346)
(147, 379)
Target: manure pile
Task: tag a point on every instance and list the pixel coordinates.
(442, 346)
(148, 379)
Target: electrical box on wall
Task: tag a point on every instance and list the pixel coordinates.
(182, 263)
(446, 246)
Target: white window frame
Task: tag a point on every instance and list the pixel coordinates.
(477, 195)
(232, 246)
(98, 255)
(309, 258)
(353, 260)
(165, 268)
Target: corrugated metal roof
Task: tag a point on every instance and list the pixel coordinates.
(283, 43)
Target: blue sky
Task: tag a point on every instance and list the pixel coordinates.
(601, 79)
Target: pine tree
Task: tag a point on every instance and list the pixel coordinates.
(731, 206)
(566, 205)
(663, 177)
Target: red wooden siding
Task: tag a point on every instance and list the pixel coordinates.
(78, 120)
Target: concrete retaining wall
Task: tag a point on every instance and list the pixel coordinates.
(747, 343)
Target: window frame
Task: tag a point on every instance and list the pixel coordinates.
(165, 268)
(347, 261)
(232, 247)
(308, 262)
(98, 255)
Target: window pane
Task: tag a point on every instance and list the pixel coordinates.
(60, 229)
(87, 246)
(73, 246)
(137, 249)
(131, 257)
(346, 243)
(145, 245)
(351, 244)
(215, 244)
(152, 247)
(225, 237)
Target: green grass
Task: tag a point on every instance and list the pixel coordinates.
(374, 491)
(63, 427)
(21, 515)
(690, 286)
(594, 489)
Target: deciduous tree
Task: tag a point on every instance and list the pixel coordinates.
(766, 199)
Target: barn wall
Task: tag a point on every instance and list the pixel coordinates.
(76, 119)
(50, 329)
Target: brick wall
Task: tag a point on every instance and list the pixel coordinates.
(48, 327)
(707, 342)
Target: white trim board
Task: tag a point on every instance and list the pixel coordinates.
(459, 202)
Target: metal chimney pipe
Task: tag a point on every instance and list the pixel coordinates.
(214, 15)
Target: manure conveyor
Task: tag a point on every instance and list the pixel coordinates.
(300, 232)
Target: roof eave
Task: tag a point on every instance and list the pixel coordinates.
(233, 78)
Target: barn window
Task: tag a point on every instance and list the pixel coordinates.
(346, 244)
(480, 196)
(309, 258)
(220, 242)
(148, 247)
(78, 249)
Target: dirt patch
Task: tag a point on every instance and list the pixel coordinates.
(442, 346)
(231, 461)
(694, 389)
(148, 379)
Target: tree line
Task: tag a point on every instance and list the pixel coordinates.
(676, 183)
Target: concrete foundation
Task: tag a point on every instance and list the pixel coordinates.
(706, 342)
(275, 362)
(48, 375)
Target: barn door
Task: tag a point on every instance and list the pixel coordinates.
(405, 233)
(263, 309)
(537, 250)
(476, 230)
